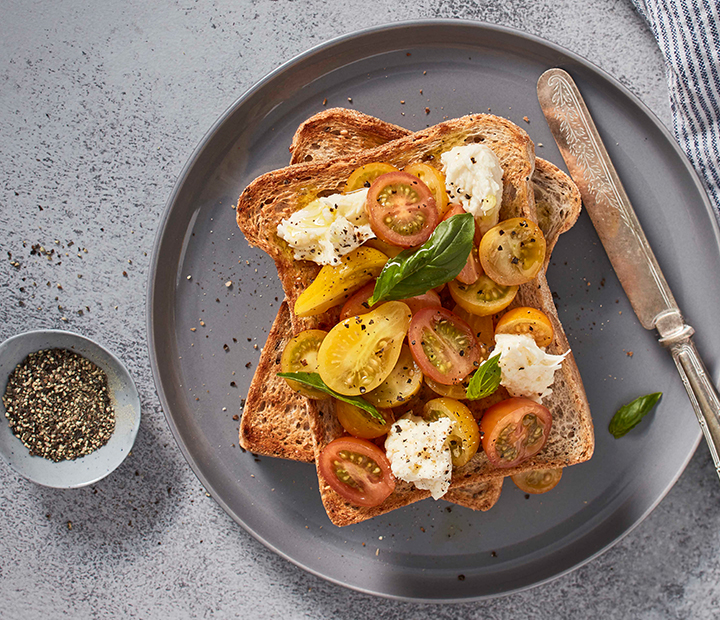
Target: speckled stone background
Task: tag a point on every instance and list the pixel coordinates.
(102, 103)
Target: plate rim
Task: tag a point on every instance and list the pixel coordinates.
(208, 137)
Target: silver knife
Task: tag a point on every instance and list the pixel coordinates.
(624, 240)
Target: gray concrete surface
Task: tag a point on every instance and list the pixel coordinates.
(101, 105)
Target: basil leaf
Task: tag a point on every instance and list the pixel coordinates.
(437, 261)
(314, 380)
(628, 416)
(485, 380)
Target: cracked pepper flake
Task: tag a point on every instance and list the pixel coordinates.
(58, 404)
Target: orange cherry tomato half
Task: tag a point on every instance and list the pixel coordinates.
(514, 430)
(472, 269)
(401, 209)
(537, 481)
(443, 345)
(358, 470)
(526, 320)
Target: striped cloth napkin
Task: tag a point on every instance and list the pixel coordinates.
(688, 32)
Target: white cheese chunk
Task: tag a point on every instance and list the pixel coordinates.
(419, 452)
(328, 228)
(473, 178)
(526, 369)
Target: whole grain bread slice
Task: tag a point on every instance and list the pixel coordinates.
(324, 424)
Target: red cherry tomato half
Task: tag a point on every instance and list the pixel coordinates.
(443, 345)
(358, 303)
(514, 430)
(472, 269)
(358, 470)
(401, 209)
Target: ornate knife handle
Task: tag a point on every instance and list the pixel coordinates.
(703, 394)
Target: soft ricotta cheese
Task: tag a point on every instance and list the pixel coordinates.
(526, 369)
(473, 178)
(418, 452)
(328, 228)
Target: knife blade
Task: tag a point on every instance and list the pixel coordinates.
(625, 243)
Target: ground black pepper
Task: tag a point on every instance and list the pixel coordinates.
(58, 404)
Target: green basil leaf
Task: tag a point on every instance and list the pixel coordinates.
(628, 416)
(314, 380)
(485, 380)
(437, 261)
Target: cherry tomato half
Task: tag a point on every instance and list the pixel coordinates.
(472, 269)
(365, 175)
(458, 391)
(401, 209)
(464, 438)
(443, 345)
(401, 385)
(360, 352)
(358, 303)
(435, 180)
(358, 470)
(359, 423)
(512, 252)
(514, 430)
(483, 297)
(391, 251)
(482, 327)
(537, 481)
(526, 320)
(300, 355)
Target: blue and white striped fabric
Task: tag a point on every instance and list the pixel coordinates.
(688, 32)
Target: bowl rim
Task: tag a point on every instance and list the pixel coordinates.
(113, 366)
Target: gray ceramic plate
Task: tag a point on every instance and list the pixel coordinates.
(123, 395)
(203, 334)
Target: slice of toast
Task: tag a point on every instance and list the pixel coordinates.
(274, 419)
(273, 204)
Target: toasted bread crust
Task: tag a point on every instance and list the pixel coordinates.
(324, 424)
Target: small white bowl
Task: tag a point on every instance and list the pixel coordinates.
(123, 396)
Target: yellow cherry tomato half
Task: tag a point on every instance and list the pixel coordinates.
(484, 297)
(464, 436)
(526, 320)
(360, 352)
(512, 252)
(537, 481)
(359, 423)
(458, 391)
(300, 355)
(401, 385)
(365, 175)
(435, 180)
(391, 251)
(335, 283)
